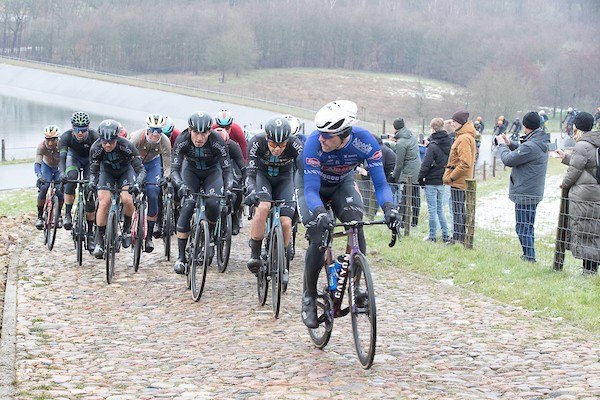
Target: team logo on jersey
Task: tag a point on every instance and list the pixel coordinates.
(362, 146)
(313, 162)
(377, 155)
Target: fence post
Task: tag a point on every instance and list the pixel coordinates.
(561, 231)
(383, 128)
(494, 166)
(407, 205)
(3, 151)
(484, 167)
(470, 207)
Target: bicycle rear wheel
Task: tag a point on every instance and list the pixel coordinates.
(224, 242)
(78, 232)
(361, 296)
(276, 265)
(168, 227)
(110, 239)
(199, 261)
(138, 235)
(321, 335)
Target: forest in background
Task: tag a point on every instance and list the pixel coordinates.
(508, 55)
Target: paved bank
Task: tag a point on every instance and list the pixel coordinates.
(143, 337)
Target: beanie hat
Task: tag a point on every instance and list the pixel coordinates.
(461, 117)
(398, 123)
(584, 121)
(531, 120)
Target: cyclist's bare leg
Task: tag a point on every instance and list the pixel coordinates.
(286, 227)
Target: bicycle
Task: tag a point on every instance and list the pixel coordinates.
(114, 232)
(223, 232)
(290, 252)
(51, 215)
(139, 227)
(354, 273)
(78, 233)
(198, 248)
(273, 259)
(168, 218)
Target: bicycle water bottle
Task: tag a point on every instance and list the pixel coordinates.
(333, 277)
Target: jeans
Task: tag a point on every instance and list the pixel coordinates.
(525, 219)
(448, 200)
(460, 213)
(435, 195)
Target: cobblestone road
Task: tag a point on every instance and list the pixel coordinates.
(142, 337)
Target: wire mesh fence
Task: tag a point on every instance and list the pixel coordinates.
(555, 232)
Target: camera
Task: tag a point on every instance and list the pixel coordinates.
(384, 137)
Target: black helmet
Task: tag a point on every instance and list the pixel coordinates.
(200, 122)
(109, 129)
(278, 129)
(80, 119)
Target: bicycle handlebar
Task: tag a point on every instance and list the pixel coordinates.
(329, 233)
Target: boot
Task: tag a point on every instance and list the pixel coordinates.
(309, 311)
(255, 262)
(148, 245)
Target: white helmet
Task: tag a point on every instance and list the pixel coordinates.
(155, 121)
(336, 117)
(294, 123)
(570, 109)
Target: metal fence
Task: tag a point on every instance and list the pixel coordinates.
(492, 218)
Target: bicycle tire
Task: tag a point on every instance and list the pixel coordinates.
(199, 261)
(45, 217)
(138, 235)
(55, 215)
(110, 239)
(276, 265)
(224, 242)
(78, 232)
(289, 258)
(320, 336)
(168, 227)
(262, 281)
(361, 292)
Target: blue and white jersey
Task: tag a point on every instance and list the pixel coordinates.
(338, 165)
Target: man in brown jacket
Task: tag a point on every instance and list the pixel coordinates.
(461, 164)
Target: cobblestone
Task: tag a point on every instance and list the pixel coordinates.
(143, 337)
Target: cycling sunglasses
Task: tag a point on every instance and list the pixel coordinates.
(275, 144)
(154, 130)
(109, 141)
(78, 129)
(326, 135)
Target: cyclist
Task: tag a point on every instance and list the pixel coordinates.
(479, 125)
(224, 119)
(515, 129)
(569, 117)
(75, 146)
(331, 153)
(271, 159)
(113, 162)
(239, 177)
(155, 151)
(170, 131)
(208, 167)
(501, 126)
(47, 158)
(296, 127)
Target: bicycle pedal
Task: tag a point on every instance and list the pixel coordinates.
(342, 312)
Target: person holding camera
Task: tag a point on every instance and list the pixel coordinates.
(528, 160)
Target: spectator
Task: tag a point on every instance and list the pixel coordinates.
(584, 192)
(528, 161)
(430, 176)
(543, 120)
(448, 199)
(408, 163)
(460, 167)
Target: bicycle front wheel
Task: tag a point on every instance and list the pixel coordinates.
(321, 335)
(224, 242)
(361, 296)
(262, 281)
(199, 261)
(54, 216)
(138, 235)
(276, 265)
(110, 240)
(78, 232)
(168, 227)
